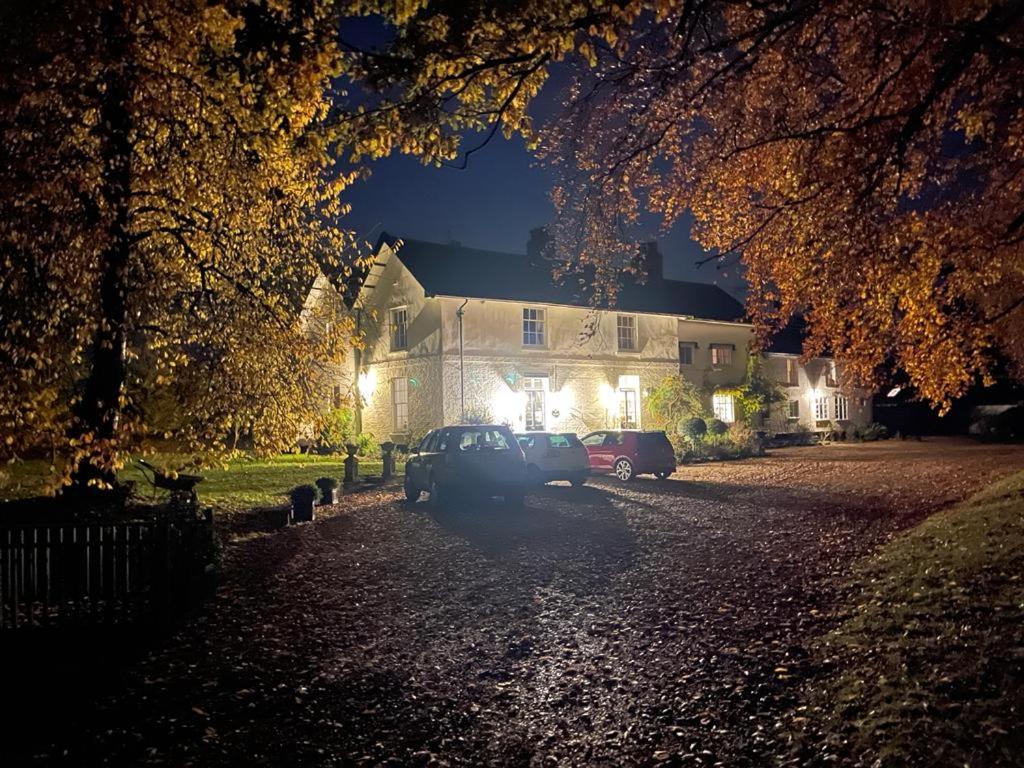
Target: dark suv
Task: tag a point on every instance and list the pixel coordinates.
(483, 459)
(627, 453)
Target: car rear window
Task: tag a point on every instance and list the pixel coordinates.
(651, 439)
(485, 438)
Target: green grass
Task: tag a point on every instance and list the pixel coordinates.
(244, 484)
(928, 667)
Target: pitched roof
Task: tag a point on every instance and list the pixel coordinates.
(453, 270)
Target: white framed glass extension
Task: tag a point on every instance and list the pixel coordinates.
(399, 328)
(400, 405)
(533, 326)
(629, 402)
(842, 406)
(724, 407)
(536, 389)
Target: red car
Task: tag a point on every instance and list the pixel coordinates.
(627, 453)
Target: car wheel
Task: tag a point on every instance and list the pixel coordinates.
(624, 469)
(662, 475)
(513, 501)
(437, 496)
(411, 493)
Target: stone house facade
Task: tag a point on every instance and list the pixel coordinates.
(455, 334)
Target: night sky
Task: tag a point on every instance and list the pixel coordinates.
(492, 204)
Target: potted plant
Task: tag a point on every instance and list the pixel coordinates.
(302, 497)
(328, 490)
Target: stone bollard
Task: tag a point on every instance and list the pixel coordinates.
(388, 459)
(351, 464)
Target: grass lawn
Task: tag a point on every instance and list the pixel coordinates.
(928, 666)
(246, 483)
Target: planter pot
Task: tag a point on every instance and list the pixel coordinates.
(328, 495)
(303, 512)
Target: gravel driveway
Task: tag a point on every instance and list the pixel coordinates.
(617, 624)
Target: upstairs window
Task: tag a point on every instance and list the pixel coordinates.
(533, 327)
(399, 328)
(626, 332)
(791, 372)
(686, 353)
(831, 380)
(721, 355)
(724, 408)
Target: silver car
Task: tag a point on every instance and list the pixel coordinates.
(554, 456)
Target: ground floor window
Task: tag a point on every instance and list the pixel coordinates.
(400, 404)
(794, 409)
(842, 408)
(535, 388)
(821, 408)
(629, 402)
(724, 407)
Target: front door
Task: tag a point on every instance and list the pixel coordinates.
(535, 389)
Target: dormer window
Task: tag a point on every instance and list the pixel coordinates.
(399, 329)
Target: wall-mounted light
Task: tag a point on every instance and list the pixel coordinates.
(367, 383)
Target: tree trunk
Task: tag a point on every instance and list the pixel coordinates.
(100, 407)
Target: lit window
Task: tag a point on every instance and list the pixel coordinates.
(399, 328)
(821, 408)
(842, 408)
(721, 354)
(629, 400)
(794, 409)
(686, 353)
(533, 327)
(791, 375)
(400, 404)
(626, 325)
(724, 408)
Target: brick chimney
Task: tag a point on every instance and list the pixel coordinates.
(537, 245)
(651, 261)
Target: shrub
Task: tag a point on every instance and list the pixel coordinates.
(302, 495)
(368, 446)
(336, 428)
(874, 431)
(674, 401)
(694, 429)
(717, 427)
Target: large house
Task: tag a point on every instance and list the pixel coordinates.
(455, 333)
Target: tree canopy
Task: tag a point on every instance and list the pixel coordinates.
(864, 161)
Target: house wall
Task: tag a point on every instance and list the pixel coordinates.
(812, 382)
(580, 360)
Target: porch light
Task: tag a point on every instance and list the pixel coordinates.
(607, 395)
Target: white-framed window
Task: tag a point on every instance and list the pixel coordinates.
(831, 379)
(794, 410)
(791, 376)
(533, 327)
(686, 353)
(400, 405)
(724, 407)
(721, 354)
(842, 406)
(625, 326)
(821, 408)
(535, 389)
(399, 328)
(629, 402)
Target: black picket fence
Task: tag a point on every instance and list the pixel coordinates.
(132, 572)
